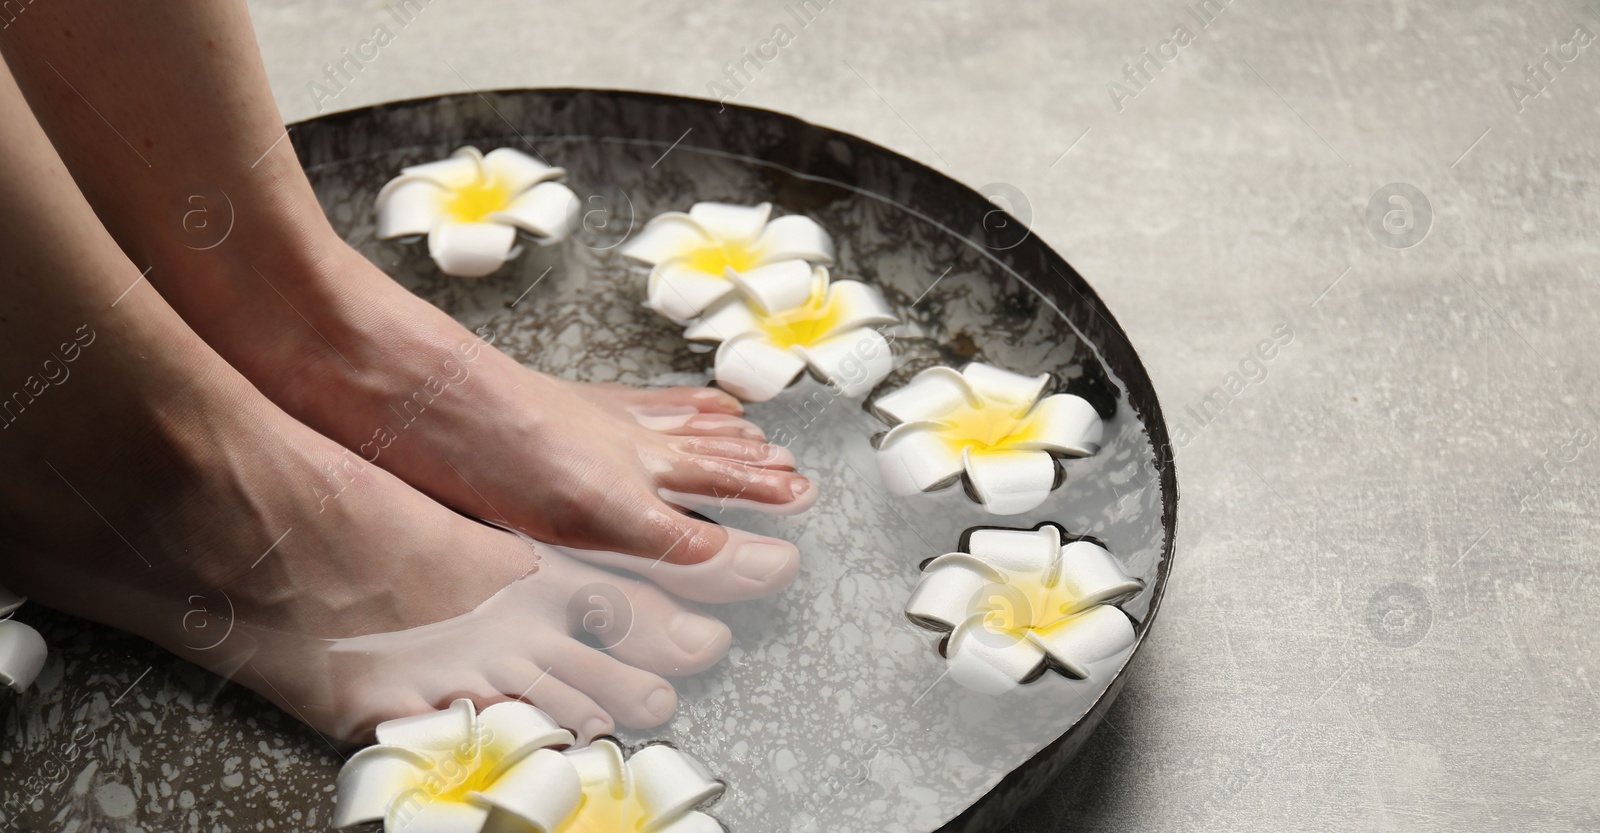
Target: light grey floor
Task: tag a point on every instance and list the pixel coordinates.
(1381, 614)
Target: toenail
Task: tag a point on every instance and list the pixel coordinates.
(719, 398)
(661, 703)
(692, 633)
(799, 487)
(594, 728)
(760, 561)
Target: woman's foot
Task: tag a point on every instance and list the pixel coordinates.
(156, 491)
(226, 219)
(604, 468)
(145, 484)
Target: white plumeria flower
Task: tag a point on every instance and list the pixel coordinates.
(695, 256)
(22, 649)
(461, 771)
(471, 206)
(1019, 602)
(988, 423)
(787, 316)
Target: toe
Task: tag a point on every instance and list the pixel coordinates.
(713, 425)
(707, 400)
(685, 421)
(660, 634)
(694, 482)
(647, 529)
(714, 400)
(632, 696)
(754, 452)
(570, 708)
(361, 713)
(741, 566)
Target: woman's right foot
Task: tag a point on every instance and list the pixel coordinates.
(144, 482)
(154, 490)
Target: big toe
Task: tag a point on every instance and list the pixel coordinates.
(722, 564)
(707, 400)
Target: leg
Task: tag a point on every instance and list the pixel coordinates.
(340, 346)
(143, 479)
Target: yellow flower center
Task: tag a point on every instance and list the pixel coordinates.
(1025, 604)
(602, 811)
(806, 324)
(455, 777)
(713, 257)
(473, 202)
(991, 426)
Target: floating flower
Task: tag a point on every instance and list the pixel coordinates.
(696, 256)
(471, 206)
(1019, 602)
(786, 317)
(22, 649)
(462, 770)
(988, 423)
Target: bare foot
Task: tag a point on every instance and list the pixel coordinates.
(601, 469)
(337, 344)
(156, 491)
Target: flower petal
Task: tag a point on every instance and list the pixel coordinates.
(409, 206)
(1075, 642)
(1010, 482)
(435, 815)
(542, 789)
(754, 369)
(692, 822)
(990, 663)
(373, 779)
(854, 362)
(470, 250)
(665, 237)
(1090, 576)
(931, 394)
(731, 223)
(10, 601)
(1065, 424)
(950, 584)
(512, 730)
(438, 731)
(549, 210)
(779, 286)
(669, 784)
(795, 236)
(460, 169)
(914, 458)
(681, 292)
(600, 764)
(991, 382)
(1017, 551)
(730, 317)
(516, 170)
(22, 654)
(855, 304)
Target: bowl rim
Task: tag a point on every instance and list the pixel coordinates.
(1024, 783)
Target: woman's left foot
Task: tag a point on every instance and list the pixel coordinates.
(606, 468)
